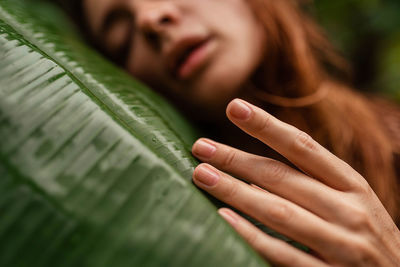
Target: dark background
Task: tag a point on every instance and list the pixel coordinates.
(367, 33)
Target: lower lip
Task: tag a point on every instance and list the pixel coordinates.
(195, 60)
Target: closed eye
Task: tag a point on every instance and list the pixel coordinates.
(117, 32)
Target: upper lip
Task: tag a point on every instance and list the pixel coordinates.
(180, 49)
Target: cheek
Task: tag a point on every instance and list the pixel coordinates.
(240, 41)
(241, 31)
(241, 46)
(144, 65)
(241, 36)
(147, 66)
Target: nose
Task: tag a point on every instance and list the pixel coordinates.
(155, 20)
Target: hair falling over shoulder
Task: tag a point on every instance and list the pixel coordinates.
(300, 64)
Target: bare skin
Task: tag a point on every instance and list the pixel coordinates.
(160, 32)
(329, 206)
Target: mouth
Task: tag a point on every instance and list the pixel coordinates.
(188, 55)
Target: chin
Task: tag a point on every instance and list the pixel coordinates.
(219, 82)
(214, 98)
(219, 85)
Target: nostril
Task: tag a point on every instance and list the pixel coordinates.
(152, 38)
(165, 20)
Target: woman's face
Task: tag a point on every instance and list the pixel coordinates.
(202, 51)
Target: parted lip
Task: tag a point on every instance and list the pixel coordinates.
(180, 50)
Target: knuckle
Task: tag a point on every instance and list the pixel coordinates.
(362, 187)
(289, 260)
(280, 212)
(230, 191)
(359, 252)
(252, 238)
(359, 219)
(276, 172)
(304, 142)
(263, 125)
(229, 159)
(356, 182)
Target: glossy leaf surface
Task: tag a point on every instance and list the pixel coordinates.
(95, 169)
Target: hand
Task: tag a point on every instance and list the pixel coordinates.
(328, 207)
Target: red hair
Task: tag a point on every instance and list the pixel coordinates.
(303, 81)
(299, 63)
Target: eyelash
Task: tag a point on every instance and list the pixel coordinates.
(122, 54)
(126, 45)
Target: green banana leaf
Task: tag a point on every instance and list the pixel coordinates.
(95, 169)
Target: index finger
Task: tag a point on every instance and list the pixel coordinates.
(293, 144)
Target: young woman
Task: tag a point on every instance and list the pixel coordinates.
(205, 54)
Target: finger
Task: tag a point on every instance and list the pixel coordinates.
(293, 144)
(272, 249)
(269, 209)
(272, 175)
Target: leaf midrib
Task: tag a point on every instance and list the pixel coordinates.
(32, 42)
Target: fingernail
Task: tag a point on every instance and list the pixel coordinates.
(204, 149)
(239, 110)
(205, 176)
(228, 215)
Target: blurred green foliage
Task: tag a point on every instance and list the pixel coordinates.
(367, 32)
